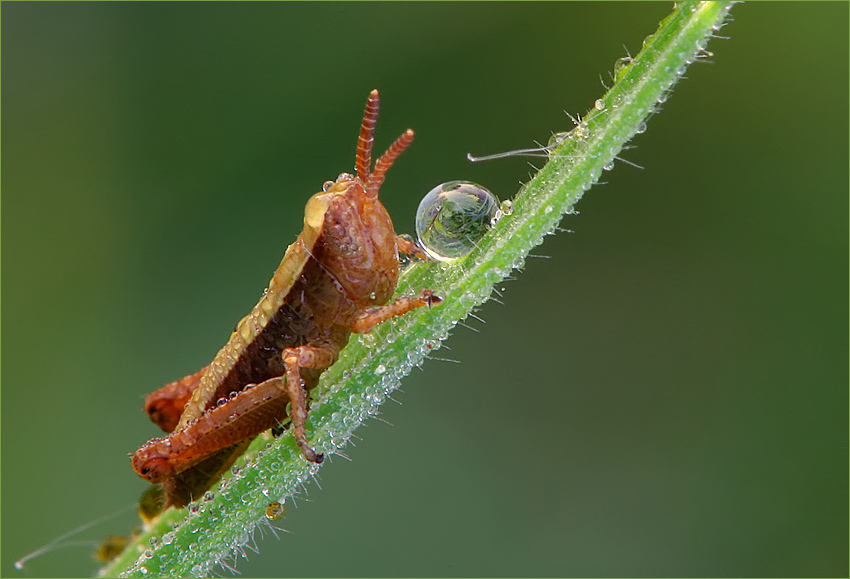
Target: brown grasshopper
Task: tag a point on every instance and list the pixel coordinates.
(337, 278)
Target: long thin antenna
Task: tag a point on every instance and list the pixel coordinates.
(363, 163)
(373, 184)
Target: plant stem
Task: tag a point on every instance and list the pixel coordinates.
(214, 530)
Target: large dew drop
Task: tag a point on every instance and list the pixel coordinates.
(453, 217)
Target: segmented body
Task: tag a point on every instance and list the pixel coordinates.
(333, 280)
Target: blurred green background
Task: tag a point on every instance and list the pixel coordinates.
(671, 393)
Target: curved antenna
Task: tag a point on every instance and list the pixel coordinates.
(363, 163)
(373, 184)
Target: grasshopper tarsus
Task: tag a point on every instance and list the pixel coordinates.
(431, 298)
(310, 454)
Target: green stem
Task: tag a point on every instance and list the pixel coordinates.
(216, 529)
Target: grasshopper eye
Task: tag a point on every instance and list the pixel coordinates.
(453, 217)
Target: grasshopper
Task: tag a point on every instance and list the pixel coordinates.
(338, 277)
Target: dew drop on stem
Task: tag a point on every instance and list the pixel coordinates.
(453, 217)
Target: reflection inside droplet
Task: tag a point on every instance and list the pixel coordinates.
(453, 217)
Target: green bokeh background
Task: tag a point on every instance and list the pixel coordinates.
(665, 395)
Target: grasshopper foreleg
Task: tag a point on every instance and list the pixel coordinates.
(369, 318)
(409, 247)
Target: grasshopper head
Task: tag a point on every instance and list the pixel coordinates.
(355, 239)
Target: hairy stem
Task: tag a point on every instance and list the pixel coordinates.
(215, 530)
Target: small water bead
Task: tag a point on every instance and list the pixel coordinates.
(453, 217)
(505, 208)
(621, 65)
(599, 105)
(581, 131)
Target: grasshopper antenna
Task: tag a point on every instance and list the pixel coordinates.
(367, 136)
(385, 162)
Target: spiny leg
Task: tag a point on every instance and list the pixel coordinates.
(294, 359)
(250, 412)
(369, 318)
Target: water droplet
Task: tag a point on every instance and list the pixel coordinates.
(599, 105)
(608, 166)
(621, 65)
(453, 217)
(380, 369)
(641, 128)
(143, 570)
(168, 538)
(506, 207)
(548, 209)
(556, 141)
